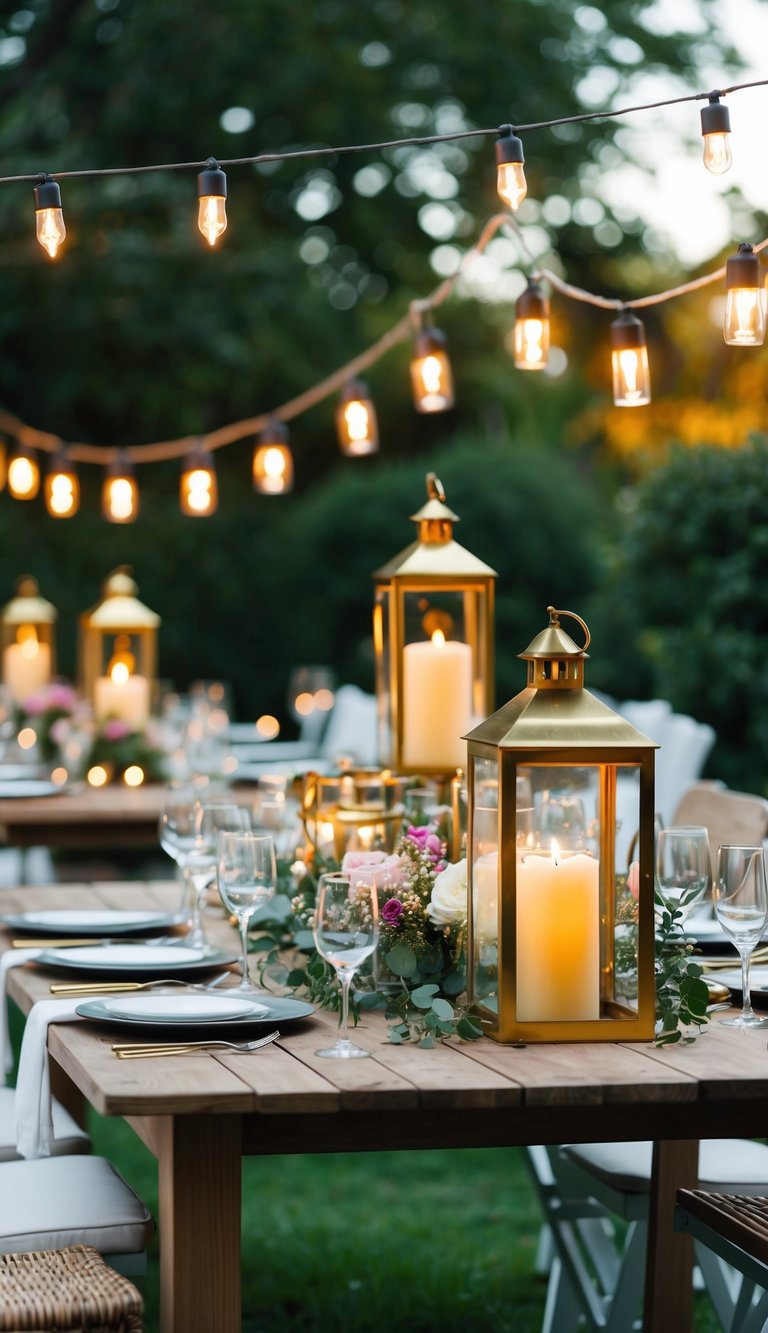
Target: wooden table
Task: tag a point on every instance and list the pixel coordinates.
(91, 817)
(199, 1114)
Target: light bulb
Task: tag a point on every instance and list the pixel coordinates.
(120, 494)
(744, 324)
(356, 423)
(716, 128)
(198, 494)
(49, 218)
(431, 377)
(532, 329)
(62, 487)
(23, 473)
(273, 461)
(629, 356)
(510, 174)
(212, 206)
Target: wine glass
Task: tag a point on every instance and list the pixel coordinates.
(683, 867)
(247, 877)
(346, 930)
(178, 812)
(211, 818)
(741, 904)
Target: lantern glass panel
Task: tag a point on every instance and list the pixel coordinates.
(485, 883)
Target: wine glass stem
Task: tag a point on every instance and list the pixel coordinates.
(346, 982)
(746, 1004)
(244, 921)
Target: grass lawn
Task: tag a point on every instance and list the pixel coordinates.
(419, 1242)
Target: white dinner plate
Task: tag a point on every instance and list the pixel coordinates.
(26, 787)
(90, 921)
(183, 1008)
(706, 930)
(274, 1009)
(135, 959)
(758, 978)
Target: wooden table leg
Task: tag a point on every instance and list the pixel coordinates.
(199, 1176)
(668, 1306)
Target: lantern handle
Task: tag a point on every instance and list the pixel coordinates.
(435, 489)
(554, 619)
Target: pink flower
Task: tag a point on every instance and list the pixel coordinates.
(115, 729)
(427, 841)
(633, 880)
(60, 729)
(386, 869)
(62, 696)
(391, 911)
(35, 704)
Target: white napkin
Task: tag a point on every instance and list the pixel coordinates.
(34, 1121)
(11, 958)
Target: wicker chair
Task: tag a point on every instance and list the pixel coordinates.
(70, 1289)
(735, 1228)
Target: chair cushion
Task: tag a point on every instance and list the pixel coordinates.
(728, 1166)
(68, 1136)
(53, 1202)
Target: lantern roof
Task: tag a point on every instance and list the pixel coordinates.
(435, 552)
(28, 607)
(544, 719)
(120, 608)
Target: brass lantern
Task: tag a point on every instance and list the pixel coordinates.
(433, 639)
(560, 935)
(357, 810)
(118, 652)
(29, 651)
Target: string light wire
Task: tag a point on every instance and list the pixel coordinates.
(399, 332)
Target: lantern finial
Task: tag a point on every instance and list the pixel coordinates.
(435, 490)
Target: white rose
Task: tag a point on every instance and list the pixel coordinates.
(448, 904)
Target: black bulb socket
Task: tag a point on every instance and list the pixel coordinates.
(509, 148)
(532, 303)
(715, 118)
(212, 181)
(627, 333)
(47, 195)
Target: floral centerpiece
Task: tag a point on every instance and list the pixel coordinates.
(67, 735)
(52, 712)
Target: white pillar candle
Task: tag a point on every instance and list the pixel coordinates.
(124, 698)
(437, 703)
(26, 668)
(558, 937)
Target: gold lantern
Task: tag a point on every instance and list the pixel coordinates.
(28, 644)
(357, 810)
(433, 639)
(118, 652)
(560, 931)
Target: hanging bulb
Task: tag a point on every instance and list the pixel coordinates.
(532, 329)
(212, 205)
(273, 461)
(49, 219)
(510, 175)
(120, 494)
(716, 128)
(23, 473)
(431, 378)
(745, 301)
(631, 376)
(198, 492)
(356, 421)
(62, 487)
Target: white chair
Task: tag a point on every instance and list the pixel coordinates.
(352, 727)
(583, 1188)
(53, 1202)
(68, 1136)
(683, 748)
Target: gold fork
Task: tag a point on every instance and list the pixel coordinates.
(137, 1051)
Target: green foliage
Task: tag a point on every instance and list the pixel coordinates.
(681, 995)
(687, 605)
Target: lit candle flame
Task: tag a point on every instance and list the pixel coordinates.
(555, 850)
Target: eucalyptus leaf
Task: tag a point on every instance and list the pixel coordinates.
(401, 960)
(423, 996)
(442, 1008)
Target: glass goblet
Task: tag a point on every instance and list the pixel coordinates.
(740, 892)
(211, 819)
(346, 930)
(683, 867)
(247, 877)
(176, 829)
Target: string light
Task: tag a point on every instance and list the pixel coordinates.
(532, 329)
(198, 491)
(212, 201)
(62, 487)
(49, 218)
(356, 422)
(716, 128)
(629, 357)
(120, 494)
(431, 376)
(273, 461)
(744, 324)
(23, 473)
(510, 174)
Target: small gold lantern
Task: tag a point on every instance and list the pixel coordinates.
(118, 653)
(29, 650)
(433, 639)
(359, 810)
(560, 936)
